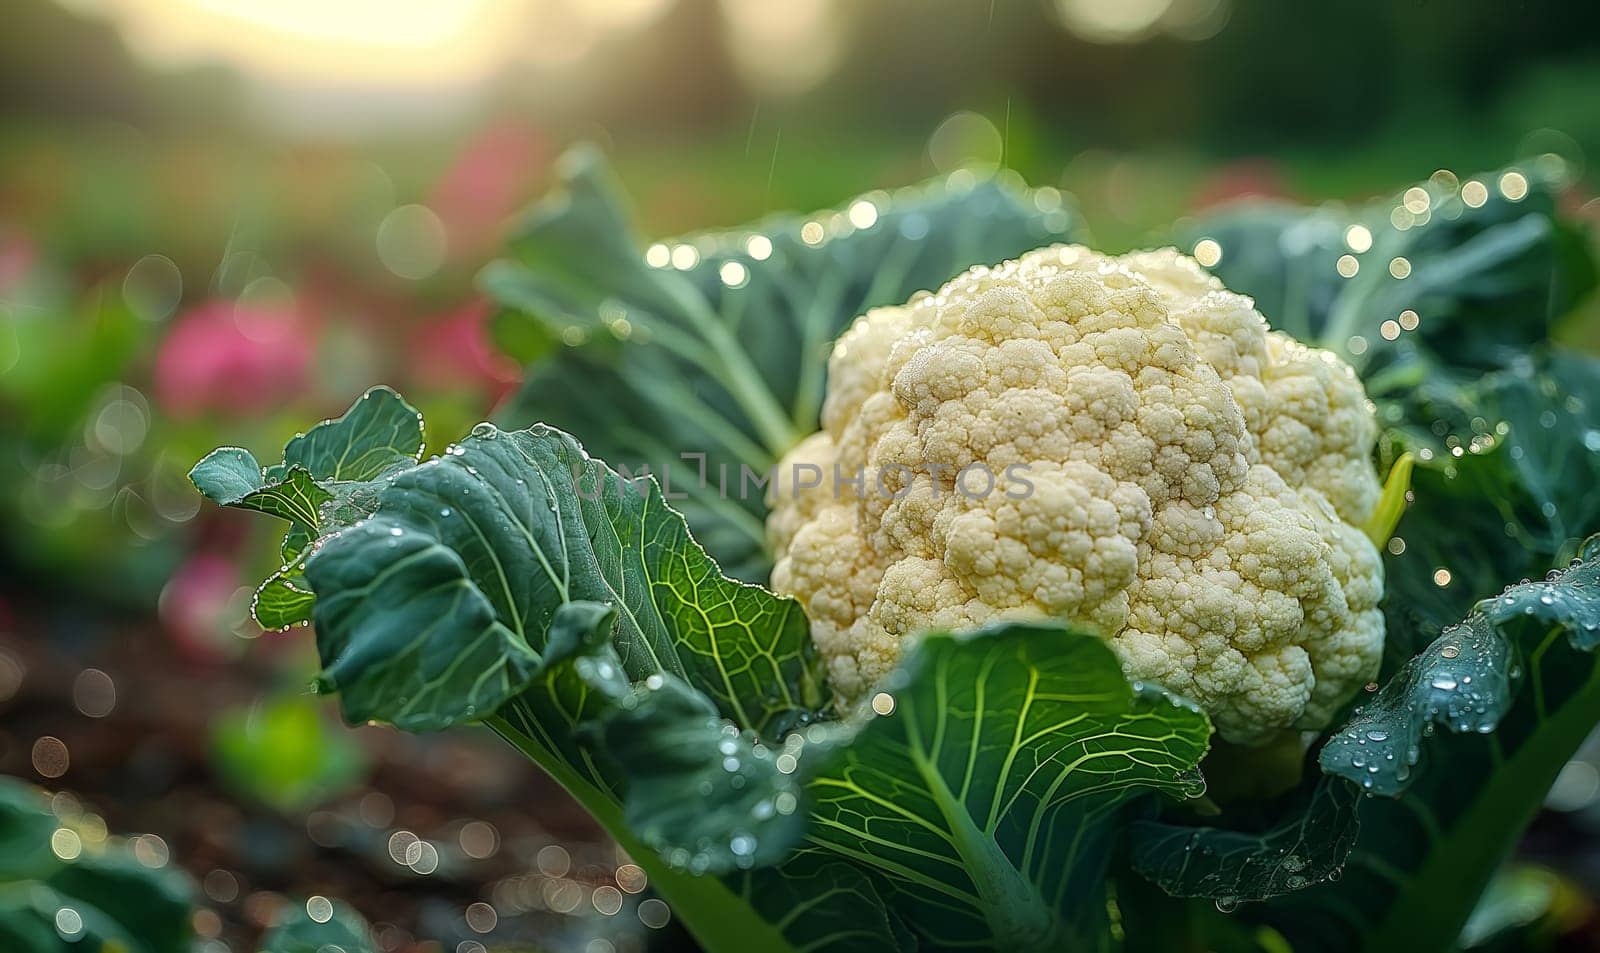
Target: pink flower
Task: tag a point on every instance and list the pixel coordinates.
(222, 356)
(455, 352)
(491, 178)
(17, 257)
(1241, 179)
(195, 606)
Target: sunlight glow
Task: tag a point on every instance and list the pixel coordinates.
(352, 42)
(372, 43)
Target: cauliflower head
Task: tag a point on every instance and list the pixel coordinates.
(1121, 443)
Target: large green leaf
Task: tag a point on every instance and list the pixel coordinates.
(984, 790)
(1465, 679)
(1465, 795)
(980, 789)
(1485, 282)
(60, 891)
(708, 356)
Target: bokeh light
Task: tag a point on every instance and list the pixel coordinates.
(412, 242)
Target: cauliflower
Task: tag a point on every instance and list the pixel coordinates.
(1117, 442)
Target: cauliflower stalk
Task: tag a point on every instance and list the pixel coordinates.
(1117, 442)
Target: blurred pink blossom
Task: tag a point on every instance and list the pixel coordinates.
(233, 358)
(17, 256)
(454, 352)
(495, 173)
(1241, 179)
(195, 606)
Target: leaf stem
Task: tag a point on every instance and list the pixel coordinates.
(1017, 915)
(720, 920)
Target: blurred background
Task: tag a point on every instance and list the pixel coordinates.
(222, 219)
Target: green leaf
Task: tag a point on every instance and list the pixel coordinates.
(328, 479)
(1424, 857)
(224, 476)
(435, 610)
(1515, 502)
(379, 434)
(982, 802)
(986, 795)
(726, 356)
(822, 903)
(283, 600)
(707, 796)
(1463, 681)
(152, 906)
(76, 894)
(1485, 283)
(1306, 846)
(227, 475)
(26, 825)
(812, 902)
(336, 928)
(297, 497)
